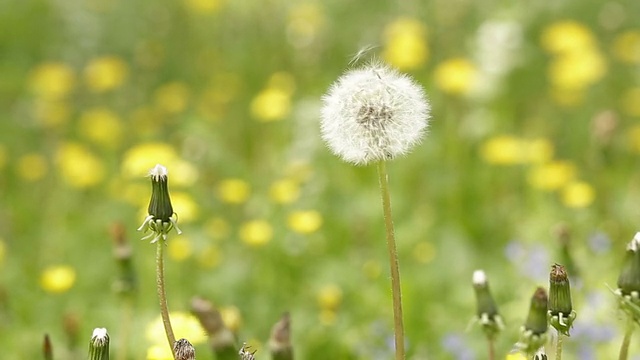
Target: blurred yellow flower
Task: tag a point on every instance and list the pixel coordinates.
(516, 356)
(284, 191)
(172, 98)
(539, 150)
(184, 326)
(306, 20)
(32, 167)
(256, 232)
(578, 194)
(233, 191)
(159, 352)
(577, 69)
(105, 73)
(552, 175)
(51, 113)
(424, 252)
(231, 317)
(455, 76)
(634, 138)
(271, 104)
(329, 297)
(58, 279)
(406, 44)
(626, 47)
(631, 102)
(184, 206)
(305, 222)
(101, 126)
(141, 158)
(209, 257)
(78, 166)
(179, 248)
(566, 36)
(52, 80)
(217, 228)
(203, 6)
(504, 150)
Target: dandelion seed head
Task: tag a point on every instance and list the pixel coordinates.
(158, 172)
(479, 277)
(372, 114)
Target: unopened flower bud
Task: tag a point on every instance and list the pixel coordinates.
(184, 350)
(628, 291)
(533, 334)
(561, 314)
(487, 311)
(99, 345)
(160, 219)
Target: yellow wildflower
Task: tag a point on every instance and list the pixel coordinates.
(140, 158)
(329, 297)
(626, 47)
(256, 232)
(539, 150)
(52, 80)
(424, 252)
(233, 191)
(284, 191)
(456, 76)
(567, 36)
(179, 248)
(78, 166)
(58, 279)
(203, 6)
(209, 257)
(304, 222)
(32, 167)
(578, 194)
(184, 324)
(101, 126)
(231, 317)
(271, 104)
(504, 150)
(105, 73)
(184, 206)
(631, 102)
(516, 356)
(577, 69)
(552, 175)
(172, 98)
(406, 44)
(217, 228)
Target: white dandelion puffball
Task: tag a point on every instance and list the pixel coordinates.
(372, 114)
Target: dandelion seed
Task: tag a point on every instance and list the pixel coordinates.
(355, 58)
(372, 114)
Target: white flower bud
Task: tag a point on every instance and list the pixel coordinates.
(372, 114)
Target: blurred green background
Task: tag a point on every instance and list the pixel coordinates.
(534, 143)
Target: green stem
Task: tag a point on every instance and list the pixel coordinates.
(162, 295)
(393, 261)
(624, 349)
(492, 350)
(559, 346)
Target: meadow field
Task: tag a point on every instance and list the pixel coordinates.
(532, 157)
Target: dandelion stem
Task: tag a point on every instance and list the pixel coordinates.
(393, 261)
(559, 346)
(162, 295)
(492, 349)
(624, 348)
(127, 315)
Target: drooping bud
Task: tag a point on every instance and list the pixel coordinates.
(99, 345)
(561, 314)
(487, 310)
(533, 334)
(280, 341)
(184, 350)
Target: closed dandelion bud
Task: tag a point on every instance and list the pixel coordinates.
(99, 345)
(487, 311)
(373, 114)
(160, 219)
(246, 353)
(561, 314)
(280, 341)
(540, 355)
(184, 350)
(533, 334)
(628, 291)
(160, 205)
